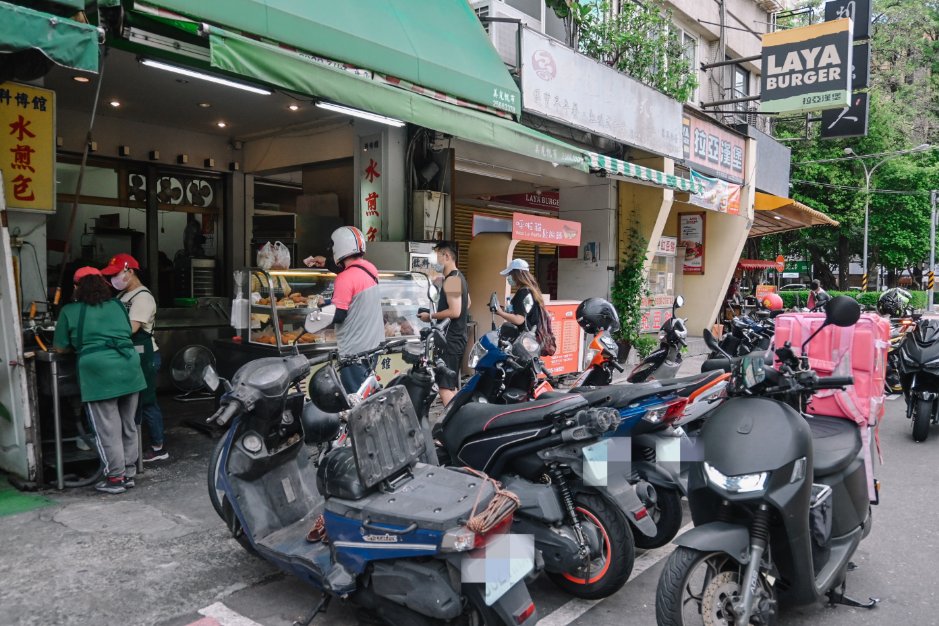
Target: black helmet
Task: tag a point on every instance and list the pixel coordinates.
(326, 390)
(318, 425)
(893, 302)
(596, 314)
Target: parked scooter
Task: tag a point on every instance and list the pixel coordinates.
(780, 502)
(919, 376)
(664, 362)
(398, 537)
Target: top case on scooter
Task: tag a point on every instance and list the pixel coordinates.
(859, 351)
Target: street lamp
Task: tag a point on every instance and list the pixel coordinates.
(868, 172)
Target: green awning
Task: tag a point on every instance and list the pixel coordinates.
(66, 42)
(616, 167)
(300, 73)
(437, 44)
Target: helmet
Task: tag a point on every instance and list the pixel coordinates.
(326, 390)
(596, 314)
(893, 302)
(318, 425)
(347, 240)
(772, 301)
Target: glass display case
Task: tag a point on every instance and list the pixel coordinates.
(660, 287)
(279, 302)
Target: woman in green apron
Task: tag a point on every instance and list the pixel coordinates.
(97, 329)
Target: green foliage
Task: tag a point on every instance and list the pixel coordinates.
(867, 299)
(645, 345)
(638, 40)
(629, 286)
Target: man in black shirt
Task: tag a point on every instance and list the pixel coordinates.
(452, 305)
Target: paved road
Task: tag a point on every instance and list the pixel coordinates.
(158, 555)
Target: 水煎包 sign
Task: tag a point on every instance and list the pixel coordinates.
(371, 189)
(807, 68)
(27, 146)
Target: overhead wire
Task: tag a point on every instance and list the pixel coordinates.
(850, 188)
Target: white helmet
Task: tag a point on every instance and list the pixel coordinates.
(347, 240)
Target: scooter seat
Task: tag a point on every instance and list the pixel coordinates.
(836, 441)
(687, 385)
(618, 395)
(474, 418)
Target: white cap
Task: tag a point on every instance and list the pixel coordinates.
(516, 264)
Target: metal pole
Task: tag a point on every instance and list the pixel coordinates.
(867, 211)
(930, 306)
(57, 423)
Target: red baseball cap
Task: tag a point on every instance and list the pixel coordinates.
(119, 263)
(81, 272)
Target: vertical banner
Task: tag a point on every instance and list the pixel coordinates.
(691, 237)
(27, 146)
(370, 185)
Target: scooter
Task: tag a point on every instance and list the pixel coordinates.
(780, 502)
(409, 542)
(664, 362)
(919, 376)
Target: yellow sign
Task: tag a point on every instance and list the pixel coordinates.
(27, 146)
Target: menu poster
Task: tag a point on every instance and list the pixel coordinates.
(691, 237)
(569, 337)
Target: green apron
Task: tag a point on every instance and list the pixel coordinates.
(143, 344)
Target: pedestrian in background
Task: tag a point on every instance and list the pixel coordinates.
(453, 304)
(124, 273)
(818, 297)
(97, 329)
(524, 309)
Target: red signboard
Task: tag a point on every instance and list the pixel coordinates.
(653, 319)
(569, 336)
(540, 229)
(545, 200)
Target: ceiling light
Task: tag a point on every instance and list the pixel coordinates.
(81, 79)
(115, 103)
(221, 124)
(777, 217)
(468, 169)
(207, 77)
(294, 107)
(205, 105)
(365, 115)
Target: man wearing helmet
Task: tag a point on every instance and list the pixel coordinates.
(358, 318)
(818, 297)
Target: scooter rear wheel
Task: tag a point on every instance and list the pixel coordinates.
(666, 512)
(922, 417)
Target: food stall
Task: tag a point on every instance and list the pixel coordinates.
(660, 286)
(270, 308)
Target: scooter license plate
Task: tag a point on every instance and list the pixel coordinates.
(596, 463)
(504, 561)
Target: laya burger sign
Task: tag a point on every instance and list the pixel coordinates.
(807, 69)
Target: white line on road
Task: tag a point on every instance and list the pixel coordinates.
(225, 616)
(573, 609)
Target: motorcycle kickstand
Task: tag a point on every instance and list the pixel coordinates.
(320, 607)
(836, 597)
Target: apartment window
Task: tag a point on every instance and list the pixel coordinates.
(689, 49)
(741, 89)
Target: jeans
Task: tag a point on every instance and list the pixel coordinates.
(151, 415)
(352, 376)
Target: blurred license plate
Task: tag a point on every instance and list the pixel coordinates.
(508, 559)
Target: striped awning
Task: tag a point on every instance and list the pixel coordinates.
(616, 167)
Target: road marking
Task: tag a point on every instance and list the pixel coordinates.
(225, 616)
(573, 609)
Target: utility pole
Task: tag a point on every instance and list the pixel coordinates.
(930, 305)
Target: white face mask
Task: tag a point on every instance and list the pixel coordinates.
(435, 263)
(120, 280)
(510, 280)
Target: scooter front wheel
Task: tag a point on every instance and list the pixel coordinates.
(608, 570)
(701, 587)
(922, 416)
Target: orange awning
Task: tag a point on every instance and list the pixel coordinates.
(775, 214)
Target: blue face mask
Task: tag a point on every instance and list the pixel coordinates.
(510, 281)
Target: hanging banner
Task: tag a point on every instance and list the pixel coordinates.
(716, 195)
(536, 228)
(370, 185)
(691, 237)
(807, 68)
(27, 146)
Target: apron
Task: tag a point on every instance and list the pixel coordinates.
(143, 344)
(127, 350)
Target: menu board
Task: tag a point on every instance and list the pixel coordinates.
(569, 336)
(691, 237)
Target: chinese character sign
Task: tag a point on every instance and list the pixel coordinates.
(528, 227)
(707, 145)
(27, 146)
(370, 173)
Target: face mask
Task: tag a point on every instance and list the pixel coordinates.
(120, 281)
(435, 263)
(510, 280)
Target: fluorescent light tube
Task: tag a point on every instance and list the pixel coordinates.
(365, 115)
(207, 77)
(468, 169)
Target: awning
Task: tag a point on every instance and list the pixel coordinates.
(64, 41)
(755, 264)
(439, 45)
(298, 72)
(775, 214)
(617, 168)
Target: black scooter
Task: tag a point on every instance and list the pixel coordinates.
(780, 501)
(666, 361)
(919, 376)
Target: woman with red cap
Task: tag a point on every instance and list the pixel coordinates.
(97, 329)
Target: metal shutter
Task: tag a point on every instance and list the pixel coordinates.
(463, 235)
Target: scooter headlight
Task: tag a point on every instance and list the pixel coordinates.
(744, 483)
(476, 355)
(588, 357)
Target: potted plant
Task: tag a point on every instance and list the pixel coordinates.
(629, 287)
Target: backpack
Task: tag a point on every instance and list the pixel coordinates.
(545, 334)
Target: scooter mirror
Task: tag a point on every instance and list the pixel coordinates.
(710, 340)
(210, 378)
(842, 311)
(679, 302)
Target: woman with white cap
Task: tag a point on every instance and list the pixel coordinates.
(524, 309)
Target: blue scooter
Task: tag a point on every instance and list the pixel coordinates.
(365, 521)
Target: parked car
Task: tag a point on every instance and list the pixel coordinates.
(794, 287)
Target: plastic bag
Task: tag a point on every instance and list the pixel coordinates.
(266, 256)
(281, 256)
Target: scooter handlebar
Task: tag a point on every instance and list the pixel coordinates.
(834, 382)
(619, 368)
(224, 414)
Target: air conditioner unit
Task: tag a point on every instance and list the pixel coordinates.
(503, 35)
